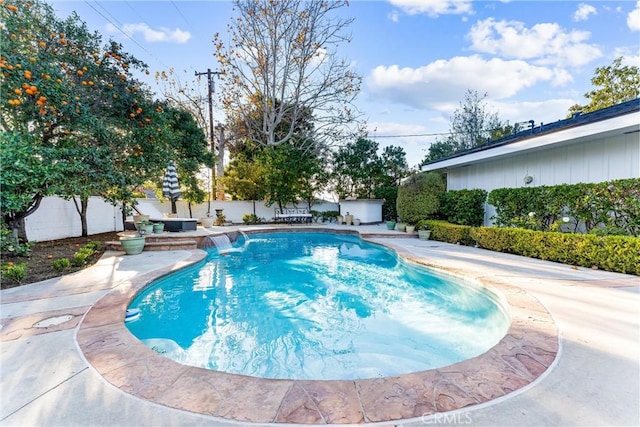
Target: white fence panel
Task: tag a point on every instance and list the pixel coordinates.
(57, 218)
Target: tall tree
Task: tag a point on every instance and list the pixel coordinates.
(357, 169)
(75, 107)
(283, 59)
(280, 174)
(394, 165)
(470, 125)
(613, 84)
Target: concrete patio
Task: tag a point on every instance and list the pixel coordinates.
(46, 380)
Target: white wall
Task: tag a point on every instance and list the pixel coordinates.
(57, 218)
(369, 211)
(599, 160)
(233, 210)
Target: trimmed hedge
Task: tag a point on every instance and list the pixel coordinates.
(444, 231)
(464, 207)
(419, 197)
(611, 207)
(620, 254)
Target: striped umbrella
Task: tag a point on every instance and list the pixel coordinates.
(170, 187)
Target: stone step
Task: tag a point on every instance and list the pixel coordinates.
(158, 245)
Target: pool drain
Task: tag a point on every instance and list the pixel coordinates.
(53, 321)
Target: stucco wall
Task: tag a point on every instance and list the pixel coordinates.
(599, 160)
(57, 218)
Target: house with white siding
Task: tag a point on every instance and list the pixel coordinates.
(594, 147)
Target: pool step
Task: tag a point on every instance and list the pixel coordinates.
(159, 245)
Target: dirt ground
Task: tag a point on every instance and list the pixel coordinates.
(39, 265)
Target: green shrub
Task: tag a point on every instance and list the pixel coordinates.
(389, 195)
(94, 245)
(81, 256)
(14, 272)
(61, 264)
(450, 233)
(220, 220)
(329, 215)
(419, 197)
(251, 218)
(609, 207)
(612, 253)
(10, 245)
(464, 207)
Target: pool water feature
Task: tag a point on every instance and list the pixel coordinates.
(315, 306)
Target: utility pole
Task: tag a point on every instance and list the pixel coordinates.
(211, 88)
(220, 171)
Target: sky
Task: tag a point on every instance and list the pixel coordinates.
(417, 58)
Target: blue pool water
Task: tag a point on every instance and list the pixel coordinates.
(315, 306)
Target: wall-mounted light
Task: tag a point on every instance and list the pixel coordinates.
(528, 179)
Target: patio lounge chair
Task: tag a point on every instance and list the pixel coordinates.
(170, 224)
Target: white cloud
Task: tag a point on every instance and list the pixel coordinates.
(583, 12)
(544, 43)
(633, 19)
(394, 16)
(152, 35)
(631, 56)
(434, 8)
(435, 85)
(547, 111)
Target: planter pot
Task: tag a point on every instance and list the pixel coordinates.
(145, 227)
(424, 234)
(207, 222)
(402, 226)
(139, 218)
(348, 219)
(339, 219)
(132, 245)
(356, 221)
(391, 225)
(410, 228)
(158, 228)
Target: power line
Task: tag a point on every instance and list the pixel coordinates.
(415, 135)
(181, 14)
(118, 27)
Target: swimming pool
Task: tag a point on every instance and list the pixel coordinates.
(315, 306)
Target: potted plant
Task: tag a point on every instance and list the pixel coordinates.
(410, 228)
(132, 245)
(146, 227)
(348, 218)
(207, 221)
(401, 226)
(220, 218)
(423, 230)
(139, 218)
(158, 227)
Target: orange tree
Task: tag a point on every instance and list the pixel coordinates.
(74, 121)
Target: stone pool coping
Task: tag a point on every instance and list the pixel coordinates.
(527, 350)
